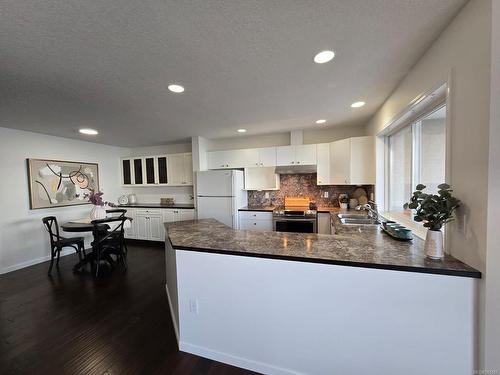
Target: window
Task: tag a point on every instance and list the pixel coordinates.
(417, 154)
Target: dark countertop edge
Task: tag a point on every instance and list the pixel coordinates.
(259, 209)
(471, 274)
(269, 209)
(157, 205)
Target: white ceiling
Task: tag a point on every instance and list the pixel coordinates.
(66, 64)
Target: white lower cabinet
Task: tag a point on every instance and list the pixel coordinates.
(256, 220)
(148, 224)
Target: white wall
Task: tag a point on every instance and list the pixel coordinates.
(492, 308)
(181, 194)
(23, 240)
(286, 317)
(464, 50)
(310, 136)
(331, 134)
(249, 141)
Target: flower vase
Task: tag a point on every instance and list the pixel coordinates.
(434, 244)
(97, 213)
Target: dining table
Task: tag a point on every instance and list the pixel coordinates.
(85, 225)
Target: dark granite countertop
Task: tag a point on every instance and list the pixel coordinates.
(357, 246)
(257, 208)
(271, 208)
(158, 205)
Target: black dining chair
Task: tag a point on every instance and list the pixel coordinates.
(110, 241)
(119, 212)
(57, 242)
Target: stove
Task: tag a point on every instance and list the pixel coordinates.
(291, 218)
(294, 212)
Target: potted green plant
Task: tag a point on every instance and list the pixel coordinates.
(434, 210)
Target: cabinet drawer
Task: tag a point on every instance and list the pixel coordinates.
(256, 215)
(148, 212)
(265, 225)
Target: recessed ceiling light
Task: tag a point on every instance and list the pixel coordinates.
(322, 121)
(176, 88)
(357, 104)
(88, 131)
(324, 57)
(242, 130)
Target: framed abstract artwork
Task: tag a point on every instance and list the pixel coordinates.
(58, 183)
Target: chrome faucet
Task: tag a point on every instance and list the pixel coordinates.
(371, 208)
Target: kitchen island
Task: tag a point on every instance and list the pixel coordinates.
(290, 303)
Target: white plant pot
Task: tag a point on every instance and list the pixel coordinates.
(98, 213)
(434, 244)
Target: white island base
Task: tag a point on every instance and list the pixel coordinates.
(291, 317)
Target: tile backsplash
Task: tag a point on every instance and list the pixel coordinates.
(303, 185)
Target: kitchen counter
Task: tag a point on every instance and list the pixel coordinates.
(358, 292)
(258, 208)
(271, 208)
(158, 205)
(358, 246)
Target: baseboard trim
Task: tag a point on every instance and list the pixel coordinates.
(230, 359)
(32, 262)
(134, 241)
(172, 315)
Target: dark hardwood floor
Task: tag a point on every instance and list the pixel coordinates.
(75, 324)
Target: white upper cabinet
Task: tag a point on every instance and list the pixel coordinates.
(340, 162)
(352, 161)
(285, 155)
(305, 154)
(243, 158)
(267, 157)
(261, 178)
(363, 161)
(173, 169)
(218, 159)
(323, 164)
(296, 155)
(180, 169)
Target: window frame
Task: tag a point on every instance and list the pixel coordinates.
(420, 107)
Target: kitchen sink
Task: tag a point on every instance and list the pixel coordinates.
(356, 219)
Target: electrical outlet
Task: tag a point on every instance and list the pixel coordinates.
(194, 307)
(325, 194)
(266, 195)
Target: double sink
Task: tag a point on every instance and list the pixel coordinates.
(357, 219)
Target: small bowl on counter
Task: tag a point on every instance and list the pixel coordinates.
(397, 231)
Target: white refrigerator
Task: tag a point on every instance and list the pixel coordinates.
(219, 195)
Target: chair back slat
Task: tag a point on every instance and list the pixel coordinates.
(101, 235)
(52, 227)
(120, 211)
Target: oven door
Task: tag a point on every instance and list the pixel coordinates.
(283, 224)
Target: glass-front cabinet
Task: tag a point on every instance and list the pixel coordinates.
(170, 170)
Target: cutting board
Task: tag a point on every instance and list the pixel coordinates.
(296, 202)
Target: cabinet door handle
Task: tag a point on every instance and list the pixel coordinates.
(298, 162)
(254, 223)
